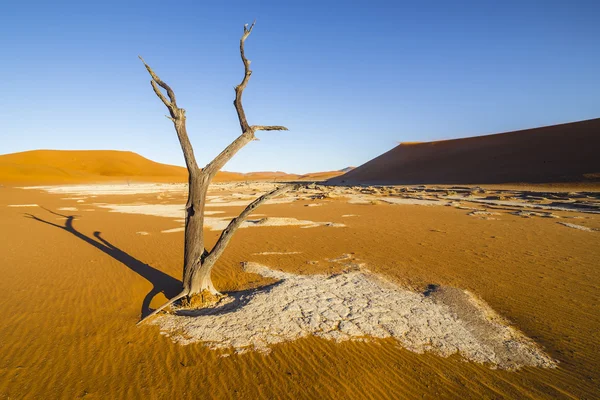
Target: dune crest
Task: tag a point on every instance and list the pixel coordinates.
(54, 166)
(91, 166)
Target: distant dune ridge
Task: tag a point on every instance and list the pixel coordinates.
(564, 153)
(84, 166)
(552, 154)
(79, 166)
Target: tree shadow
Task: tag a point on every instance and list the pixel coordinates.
(162, 283)
(236, 300)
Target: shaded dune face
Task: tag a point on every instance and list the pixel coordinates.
(558, 153)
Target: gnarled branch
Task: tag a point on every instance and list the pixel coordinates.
(268, 128)
(160, 83)
(178, 118)
(239, 89)
(247, 131)
(235, 223)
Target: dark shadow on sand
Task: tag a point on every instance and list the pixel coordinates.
(238, 300)
(162, 283)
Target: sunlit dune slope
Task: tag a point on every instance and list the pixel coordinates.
(558, 153)
(321, 176)
(263, 175)
(77, 166)
(84, 166)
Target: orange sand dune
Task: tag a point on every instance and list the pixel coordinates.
(559, 153)
(322, 176)
(266, 175)
(53, 166)
(78, 166)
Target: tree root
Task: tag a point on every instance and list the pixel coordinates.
(202, 299)
(168, 303)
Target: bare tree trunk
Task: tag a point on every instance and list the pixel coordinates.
(198, 262)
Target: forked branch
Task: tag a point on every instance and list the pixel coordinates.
(247, 131)
(157, 81)
(224, 239)
(178, 118)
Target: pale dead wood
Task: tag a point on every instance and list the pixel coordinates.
(239, 89)
(247, 131)
(162, 84)
(268, 128)
(167, 304)
(235, 223)
(178, 118)
(198, 262)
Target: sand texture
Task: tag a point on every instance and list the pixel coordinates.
(354, 306)
(394, 292)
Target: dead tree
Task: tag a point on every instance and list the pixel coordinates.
(198, 262)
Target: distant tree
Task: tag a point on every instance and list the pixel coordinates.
(198, 262)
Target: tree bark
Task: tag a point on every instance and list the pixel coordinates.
(198, 262)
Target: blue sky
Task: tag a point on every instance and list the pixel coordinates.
(349, 79)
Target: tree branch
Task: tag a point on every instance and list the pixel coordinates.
(239, 89)
(168, 303)
(178, 118)
(268, 128)
(160, 83)
(247, 131)
(235, 223)
(161, 96)
(219, 161)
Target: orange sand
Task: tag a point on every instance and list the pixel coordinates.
(69, 302)
(81, 166)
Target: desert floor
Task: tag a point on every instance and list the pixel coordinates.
(78, 273)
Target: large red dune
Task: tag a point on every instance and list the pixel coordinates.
(552, 154)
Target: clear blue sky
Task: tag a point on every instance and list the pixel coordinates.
(350, 79)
